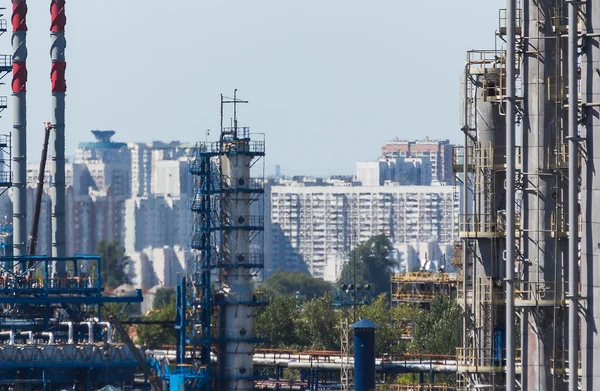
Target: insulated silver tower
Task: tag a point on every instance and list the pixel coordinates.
(541, 290)
(59, 88)
(482, 232)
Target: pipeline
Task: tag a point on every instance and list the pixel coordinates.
(71, 331)
(11, 336)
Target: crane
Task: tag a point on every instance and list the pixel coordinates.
(39, 192)
(155, 381)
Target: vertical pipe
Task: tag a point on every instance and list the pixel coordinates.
(19, 139)
(573, 200)
(465, 202)
(59, 88)
(510, 194)
(364, 355)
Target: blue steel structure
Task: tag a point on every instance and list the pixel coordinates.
(52, 328)
(223, 198)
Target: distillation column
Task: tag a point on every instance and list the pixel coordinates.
(237, 324)
(481, 358)
(59, 88)
(19, 138)
(490, 203)
(590, 194)
(541, 272)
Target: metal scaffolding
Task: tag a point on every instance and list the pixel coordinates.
(420, 288)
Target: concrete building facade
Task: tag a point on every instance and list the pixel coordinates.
(311, 226)
(439, 153)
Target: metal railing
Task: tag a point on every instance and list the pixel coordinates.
(498, 155)
(420, 387)
(422, 277)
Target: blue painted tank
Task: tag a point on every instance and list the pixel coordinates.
(364, 355)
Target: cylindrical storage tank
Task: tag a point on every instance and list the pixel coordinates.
(364, 355)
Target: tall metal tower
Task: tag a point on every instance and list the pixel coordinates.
(228, 206)
(19, 101)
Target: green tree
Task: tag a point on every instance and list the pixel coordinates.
(155, 335)
(437, 331)
(370, 263)
(113, 263)
(278, 322)
(163, 297)
(318, 325)
(389, 337)
(288, 283)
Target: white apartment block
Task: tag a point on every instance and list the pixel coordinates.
(311, 226)
(157, 221)
(400, 170)
(145, 157)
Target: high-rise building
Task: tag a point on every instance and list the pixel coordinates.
(157, 221)
(312, 226)
(144, 159)
(107, 162)
(439, 153)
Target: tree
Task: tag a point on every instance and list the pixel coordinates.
(437, 330)
(391, 322)
(278, 322)
(113, 263)
(163, 297)
(370, 263)
(318, 325)
(154, 336)
(288, 283)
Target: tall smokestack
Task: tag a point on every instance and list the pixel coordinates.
(59, 88)
(19, 88)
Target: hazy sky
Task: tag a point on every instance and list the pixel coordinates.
(329, 81)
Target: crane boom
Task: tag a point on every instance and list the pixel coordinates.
(155, 382)
(39, 192)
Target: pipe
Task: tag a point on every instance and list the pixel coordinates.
(11, 336)
(59, 88)
(71, 331)
(465, 207)
(19, 140)
(50, 336)
(510, 194)
(90, 326)
(108, 326)
(573, 201)
(29, 335)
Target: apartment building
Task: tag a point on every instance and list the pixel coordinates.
(439, 153)
(157, 221)
(311, 227)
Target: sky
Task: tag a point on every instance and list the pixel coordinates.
(328, 81)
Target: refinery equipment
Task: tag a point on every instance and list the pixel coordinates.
(521, 223)
(227, 203)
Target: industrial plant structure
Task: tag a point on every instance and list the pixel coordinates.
(530, 234)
